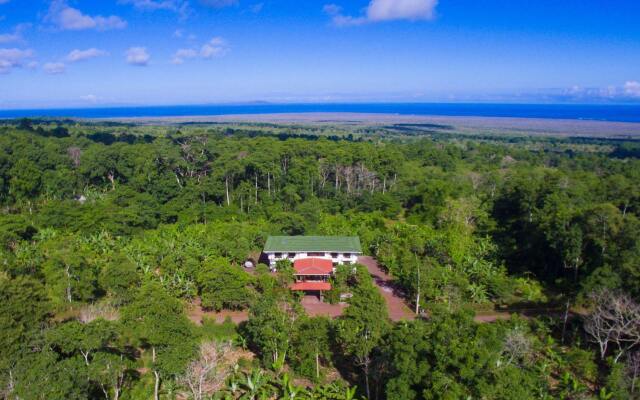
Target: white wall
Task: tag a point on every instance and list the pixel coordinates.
(340, 259)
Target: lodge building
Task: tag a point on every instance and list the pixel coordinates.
(314, 258)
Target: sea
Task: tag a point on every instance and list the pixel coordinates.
(597, 112)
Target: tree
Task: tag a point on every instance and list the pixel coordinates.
(40, 375)
(68, 275)
(311, 346)
(111, 372)
(223, 286)
(615, 318)
(270, 327)
(25, 180)
(206, 375)
(24, 312)
(362, 326)
(158, 322)
(118, 278)
(85, 339)
(452, 357)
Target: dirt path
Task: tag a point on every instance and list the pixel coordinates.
(196, 314)
(314, 307)
(398, 309)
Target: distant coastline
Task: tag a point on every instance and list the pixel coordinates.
(589, 112)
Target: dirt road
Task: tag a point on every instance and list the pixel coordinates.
(398, 309)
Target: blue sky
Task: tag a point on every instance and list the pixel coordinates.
(143, 52)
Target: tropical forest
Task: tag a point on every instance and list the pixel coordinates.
(131, 262)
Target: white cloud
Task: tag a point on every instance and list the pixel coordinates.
(153, 4)
(15, 36)
(183, 54)
(54, 68)
(13, 58)
(138, 56)
(10, 37)
(385, 10)
(68, 18)
(219, 3)
(216, 47)
(632, 88)
(179, 6)
(80, 55)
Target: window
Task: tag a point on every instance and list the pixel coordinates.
(347, 255)
(334, 255)
(278, 254)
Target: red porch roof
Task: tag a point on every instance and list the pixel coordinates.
(322, 286)
(313, 266)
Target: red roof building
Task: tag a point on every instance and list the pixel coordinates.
(312, 275)
(313, 266)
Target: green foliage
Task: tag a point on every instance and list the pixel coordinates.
(158, 322)
(270, 327)
(311, 347)
(119, 278)
(362, 326)
(42, 376)
(617, 383)
(451, 357)
(24, 311)
(224, 286)
(92, 211)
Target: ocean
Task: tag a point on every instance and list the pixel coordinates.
(618, 113)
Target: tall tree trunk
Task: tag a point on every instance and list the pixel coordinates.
(104, 391)
(317, 365)
(112, 179)
(156, 386)
(66, 270)
(118, 387)
(226, 188)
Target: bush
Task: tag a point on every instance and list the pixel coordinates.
(224, 286)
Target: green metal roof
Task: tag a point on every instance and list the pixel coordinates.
(313, 243)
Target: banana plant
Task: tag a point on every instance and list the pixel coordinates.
(255, 384)
(288, 389)
(604, 394)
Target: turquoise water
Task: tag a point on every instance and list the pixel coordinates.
(622, 113)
